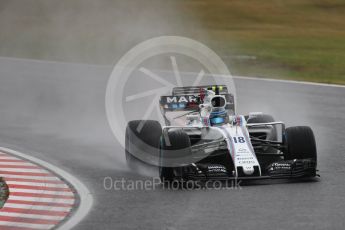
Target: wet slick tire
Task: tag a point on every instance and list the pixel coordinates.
(142, 142)
(175, 145)
(300, 143)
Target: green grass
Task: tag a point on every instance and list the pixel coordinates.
(291, 39)
(295, 39)
(3, 192)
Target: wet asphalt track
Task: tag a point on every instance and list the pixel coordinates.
(56, 112)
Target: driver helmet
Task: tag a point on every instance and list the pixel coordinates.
(218, 116)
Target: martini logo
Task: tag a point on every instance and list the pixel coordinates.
(182, 99)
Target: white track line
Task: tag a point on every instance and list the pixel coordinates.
(8, 158)
(52, 178)
(85, 202)
(38, 207)
(36, 191)
(32, 216)
(43, 199)
(17, 163)
(257, 79)
(288, 81)
(26, 225)
(9, 169)
(181, 72)
(36, 184)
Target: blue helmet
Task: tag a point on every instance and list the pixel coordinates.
(218, 116)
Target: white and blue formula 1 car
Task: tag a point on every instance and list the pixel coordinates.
(204, 139)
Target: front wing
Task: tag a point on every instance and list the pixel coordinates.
(297, 168)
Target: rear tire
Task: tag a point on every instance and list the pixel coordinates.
(142, 146)
(179, 146)
(300, 142)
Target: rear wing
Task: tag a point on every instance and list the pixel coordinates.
(189, 98)
(196, 90)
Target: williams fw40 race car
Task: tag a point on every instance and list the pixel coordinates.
(204, 139)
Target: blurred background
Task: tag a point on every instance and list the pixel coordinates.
(295, 39)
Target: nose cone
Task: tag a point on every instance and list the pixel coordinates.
(248, 170)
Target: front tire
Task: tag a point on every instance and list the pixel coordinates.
(177, 146)
(142, 142)
(300, 143)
